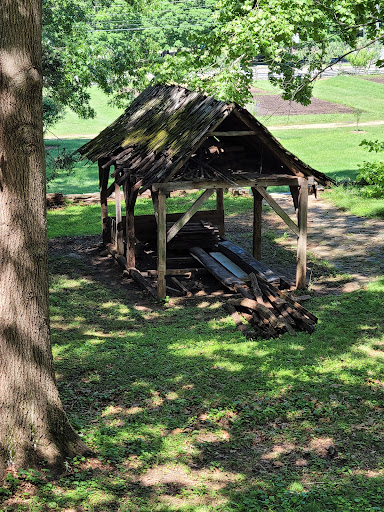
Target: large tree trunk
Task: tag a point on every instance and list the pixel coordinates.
(32, 421)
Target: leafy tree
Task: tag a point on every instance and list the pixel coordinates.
(246, 28)
(114, 44)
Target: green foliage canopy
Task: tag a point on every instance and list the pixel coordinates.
(276, 29)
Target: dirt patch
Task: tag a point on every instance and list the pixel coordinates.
(274, 105)
(338, 243)
(378, 79)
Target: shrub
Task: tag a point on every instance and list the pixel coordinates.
(372, 173)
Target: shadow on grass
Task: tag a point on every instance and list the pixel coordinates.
(185, 414)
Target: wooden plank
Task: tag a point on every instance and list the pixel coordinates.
(233, 133)
(188, 214)
(146, 226)
(119, 227)
(230, 265)
(265, 181)
(220, 209)
(246, 261)
(161, 246)
(180, 285)
(182, 272)
(142, 281)
(218, 271)
(240, 325)
(301, 268)
(298, 306)
(286, 218)
(257, 219)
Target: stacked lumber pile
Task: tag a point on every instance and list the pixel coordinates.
(262, 305)
(193, 233)
(269, 311)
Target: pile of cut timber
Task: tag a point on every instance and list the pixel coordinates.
(262, 305)
(201, 233)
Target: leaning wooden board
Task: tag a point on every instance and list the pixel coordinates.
(247, 262)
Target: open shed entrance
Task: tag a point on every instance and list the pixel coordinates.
(171, 139)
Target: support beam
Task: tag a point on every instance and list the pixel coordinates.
(267, 181)
(286, 218)
(161, 246)
(188, 214)
(130, 197)
(295, 196)
(233, 133)
(155, 205)
(257, 217)
(119, 218)
(302, 215)
(220, 209)
(103, 184)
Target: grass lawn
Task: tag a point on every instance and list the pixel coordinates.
(184, 414)
(72, 125)
(353, 201)
(335, 152)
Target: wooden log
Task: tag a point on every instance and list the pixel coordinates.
(301, 268)
(161, 246)
(257, 218)
(142, 281)
(262, 310)
(172, 232)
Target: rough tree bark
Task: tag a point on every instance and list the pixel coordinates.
(33, 424)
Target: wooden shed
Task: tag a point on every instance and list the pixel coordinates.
(171, 139)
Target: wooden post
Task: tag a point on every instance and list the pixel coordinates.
(103, 184)
(119, 226)
(161, 245)
(302, 214)
(257, 216)
(130, 200)
(155, 205)
(220, 209)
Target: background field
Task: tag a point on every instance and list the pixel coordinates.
(334, 151)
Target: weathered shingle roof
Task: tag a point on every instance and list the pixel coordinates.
(165, 125)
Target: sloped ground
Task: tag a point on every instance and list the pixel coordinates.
(338, 243)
